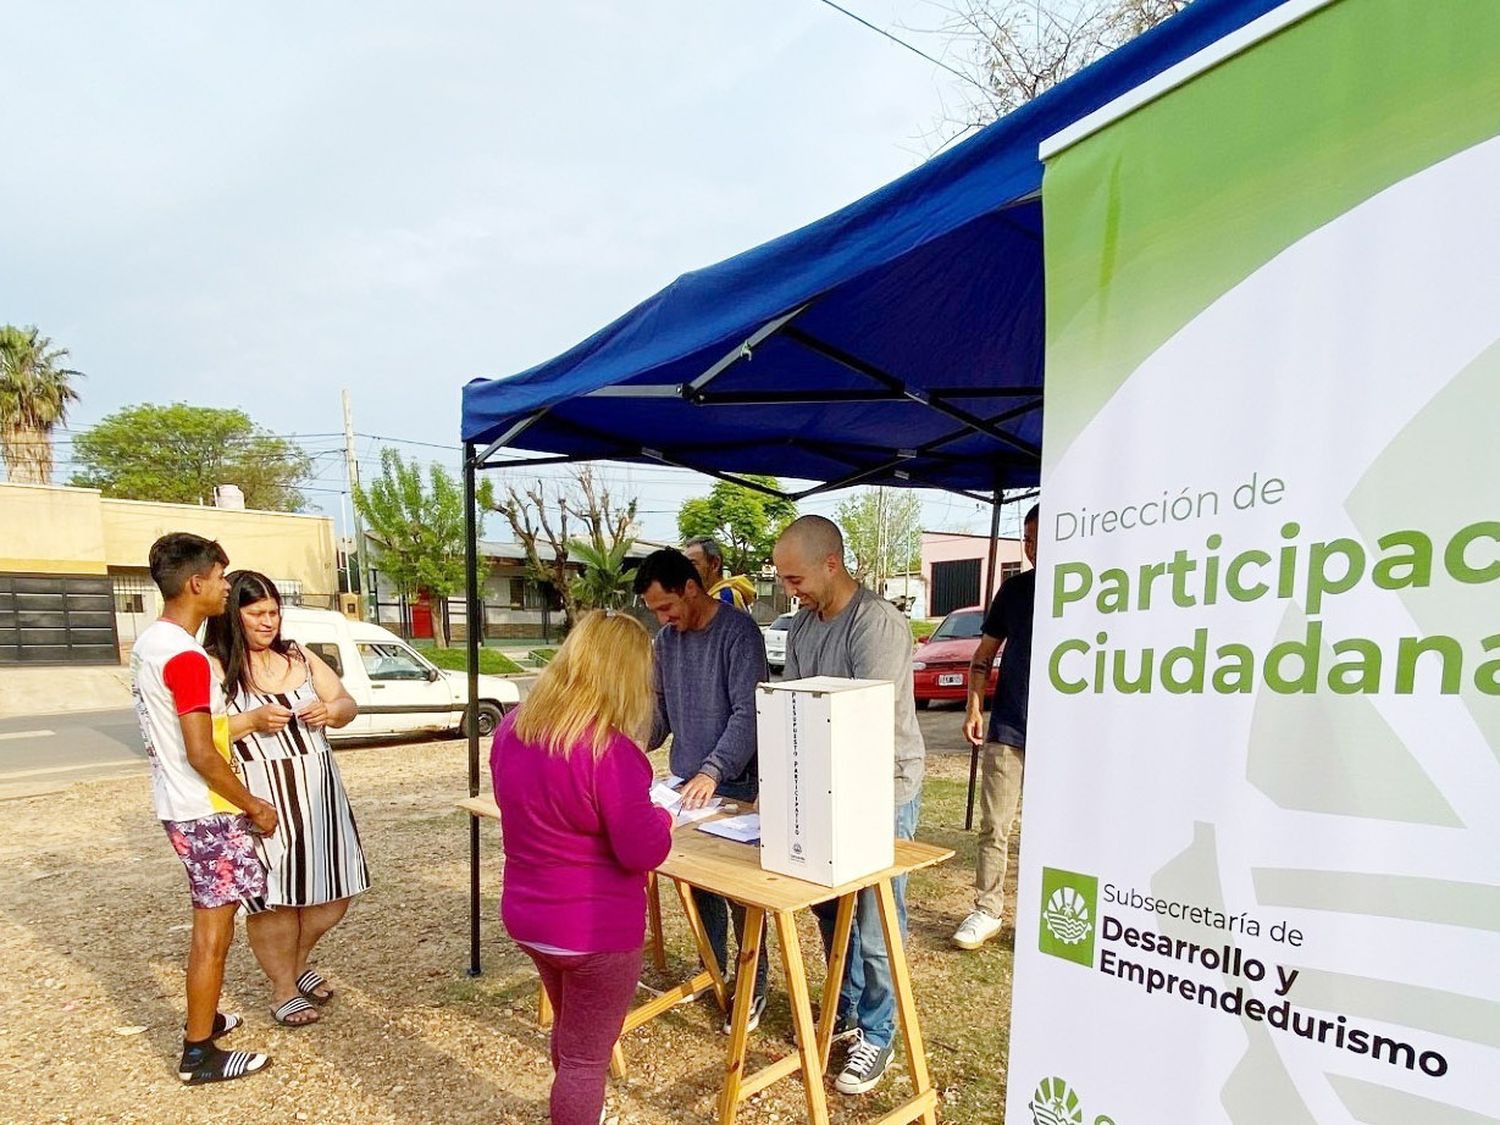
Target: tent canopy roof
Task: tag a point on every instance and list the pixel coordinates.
(897, 341)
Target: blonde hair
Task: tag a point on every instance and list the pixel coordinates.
(600, 682)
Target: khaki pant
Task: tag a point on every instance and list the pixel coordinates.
(1000, 769)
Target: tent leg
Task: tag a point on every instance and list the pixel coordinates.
(989, 596)
(973, 776)
(474, 625)
(474, 967)
(996, 503)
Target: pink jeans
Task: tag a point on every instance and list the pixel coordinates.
(590, 995)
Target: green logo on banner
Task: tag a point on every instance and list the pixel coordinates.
(1069, 914)
(1055, 1104)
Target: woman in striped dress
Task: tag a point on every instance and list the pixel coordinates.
(281, 698)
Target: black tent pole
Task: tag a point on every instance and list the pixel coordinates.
(989, 596)
(474, 627)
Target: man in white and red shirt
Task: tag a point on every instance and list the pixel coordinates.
(211, 819)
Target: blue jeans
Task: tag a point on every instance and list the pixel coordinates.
(867, 999)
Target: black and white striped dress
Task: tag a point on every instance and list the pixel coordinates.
(315, 854)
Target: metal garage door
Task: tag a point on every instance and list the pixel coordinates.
(955, 585)
(57, 619)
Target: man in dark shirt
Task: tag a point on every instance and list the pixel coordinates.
(1003, 758)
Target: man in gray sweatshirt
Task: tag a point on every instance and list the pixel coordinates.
(848, 631)
(709, 659)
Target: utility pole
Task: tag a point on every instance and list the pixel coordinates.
(351, 470)
(906, 571)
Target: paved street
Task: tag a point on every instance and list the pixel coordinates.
(43, 753)
(942, 728)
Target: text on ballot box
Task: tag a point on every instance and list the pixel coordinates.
(827, 756)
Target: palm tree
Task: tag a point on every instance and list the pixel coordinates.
(604, 583)
(34, 397)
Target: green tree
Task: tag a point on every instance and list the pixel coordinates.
(417, 530)
(178, 453)
(35, 391)
(882, 533)
(604, 583)
(744, 521)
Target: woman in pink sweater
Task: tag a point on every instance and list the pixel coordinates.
(580, 834)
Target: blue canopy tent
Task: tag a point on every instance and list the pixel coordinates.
(898, 341)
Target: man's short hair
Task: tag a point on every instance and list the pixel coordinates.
(1033, 515)
(817, 537)
(180, 555)
(669, 568)
(708, 545)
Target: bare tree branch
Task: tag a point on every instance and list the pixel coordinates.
(1017, 49)
(538, 514)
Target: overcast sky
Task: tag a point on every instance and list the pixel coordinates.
(257, 205)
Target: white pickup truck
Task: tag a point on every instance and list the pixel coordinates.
(398, 691)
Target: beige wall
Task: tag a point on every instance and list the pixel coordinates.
(279, 545)
(75, 531)
(50, 530)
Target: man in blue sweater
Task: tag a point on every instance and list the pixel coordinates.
(709, 659)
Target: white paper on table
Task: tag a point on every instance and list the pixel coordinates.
(665, 796)
(743, 829)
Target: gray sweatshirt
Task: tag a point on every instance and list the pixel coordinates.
(705, 697)
(868, 639)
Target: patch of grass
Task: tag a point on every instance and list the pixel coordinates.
(542, 656)
(920, 629)
(491, 663)
(965, 996)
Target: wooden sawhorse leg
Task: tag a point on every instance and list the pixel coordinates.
(653, 913)
(813, 1039)
(924, 1103)
(833, 984)
(739, 1018)
(810, 1046)
(705, 951)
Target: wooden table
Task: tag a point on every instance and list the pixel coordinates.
(724, 867)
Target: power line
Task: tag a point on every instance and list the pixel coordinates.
(902, 43)
(224, 442)
(453, 447)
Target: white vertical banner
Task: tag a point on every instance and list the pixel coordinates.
(1261, 854)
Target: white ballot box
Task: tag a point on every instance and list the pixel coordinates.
(827, 778)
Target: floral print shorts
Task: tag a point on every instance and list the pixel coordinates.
(222, 858)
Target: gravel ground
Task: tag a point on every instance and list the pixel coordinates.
(94, 930)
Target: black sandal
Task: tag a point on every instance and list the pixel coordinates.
(296, 1006)
(309, 983)
(209, 1064)
(223, 1024)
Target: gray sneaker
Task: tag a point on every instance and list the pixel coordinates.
(864, 1066)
